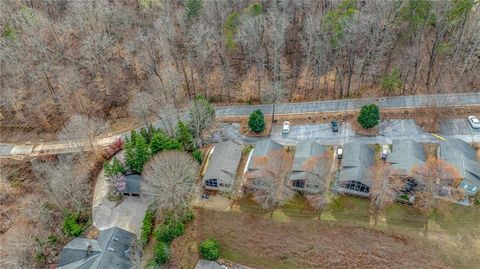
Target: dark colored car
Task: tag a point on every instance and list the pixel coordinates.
(334, 126)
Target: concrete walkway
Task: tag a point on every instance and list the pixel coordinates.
(344, 105)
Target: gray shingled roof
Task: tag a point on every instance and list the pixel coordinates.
(304, 151)
(356, 161)
(133, 184)
(110, 250)
(463, 156)
(262, 148)
(406, 154)
(204, 264)
(223, 163)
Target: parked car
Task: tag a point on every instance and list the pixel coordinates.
(286, 127)
(474, 122)
(334, 126)
(339, 152)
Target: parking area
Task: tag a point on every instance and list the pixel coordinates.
(313, 131)
(458, 127)
(395, 128)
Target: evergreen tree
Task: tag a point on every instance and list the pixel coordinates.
(184, 136)
(256, 121)
(142, 153)
(130, 153)
(193, 8)
(161, 142)
(369, 116)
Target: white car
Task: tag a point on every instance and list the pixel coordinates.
(474, 122)
(286, 127)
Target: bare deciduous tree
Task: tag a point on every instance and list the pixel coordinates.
(386, 185)
(269, 181)
(83, 128)
(170, 178)
(67, 182)
(202, 116)
(436, 178)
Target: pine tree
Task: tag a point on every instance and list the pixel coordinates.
(256, 121)
(184, 136)
(142, 153)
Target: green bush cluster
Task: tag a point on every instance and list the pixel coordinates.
(149, 141)
(256, 121)
(161, 253)
(72, 225)
(147, 227)
(168, 232)
(209, 249)
(171, 228)
(369, 116)
(197, 155)
(111, 169)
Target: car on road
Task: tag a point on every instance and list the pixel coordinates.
(474, 122)
(334, 126)
(286, 127)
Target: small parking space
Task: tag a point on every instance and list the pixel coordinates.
(393, 128)
(458, 127)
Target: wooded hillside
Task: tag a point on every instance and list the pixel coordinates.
(63, 58)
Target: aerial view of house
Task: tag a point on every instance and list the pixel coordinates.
(463, 157)
(309, 160)
(260, 151)
(222, 166)
(110, 250)
(355, 176)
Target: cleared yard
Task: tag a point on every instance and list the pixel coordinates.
(344, 237)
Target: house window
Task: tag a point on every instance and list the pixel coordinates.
(211, 182)
(299, 183)
(354, 185)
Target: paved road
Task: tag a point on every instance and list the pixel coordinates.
(451, 100)
(417, 101)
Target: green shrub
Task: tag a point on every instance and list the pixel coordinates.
(369, 116)
(187, 217)
(256, 121)
(161, 142)
(71, 225)
(111, 169)
(147, 227)
(197, 155)
(161, 253)
(169, 231)
(209, 249)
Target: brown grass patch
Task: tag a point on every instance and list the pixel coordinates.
(260, 242)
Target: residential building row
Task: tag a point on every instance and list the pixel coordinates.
(354, 172)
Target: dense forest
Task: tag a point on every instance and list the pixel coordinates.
(61, 59)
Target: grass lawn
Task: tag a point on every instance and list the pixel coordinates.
(293, 237)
